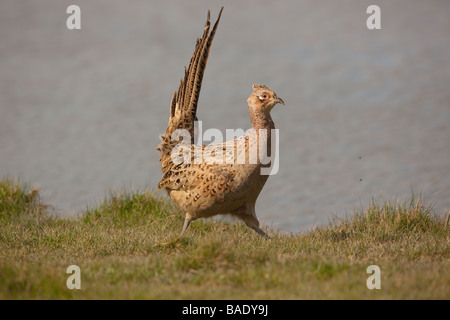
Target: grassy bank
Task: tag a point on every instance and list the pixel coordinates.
(128, 247)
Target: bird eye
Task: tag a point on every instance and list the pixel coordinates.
(263, 97)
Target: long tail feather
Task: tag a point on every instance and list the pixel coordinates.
(183, 107)
(184, 110)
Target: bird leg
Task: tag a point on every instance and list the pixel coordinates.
(252, 222)
(260, 232)
(186, 224)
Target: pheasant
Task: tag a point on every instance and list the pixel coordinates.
(202, 188)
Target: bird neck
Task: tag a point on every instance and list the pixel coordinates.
(260, 120)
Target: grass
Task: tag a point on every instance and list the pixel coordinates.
(127, 247)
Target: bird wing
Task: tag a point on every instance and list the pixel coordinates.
(192, 169)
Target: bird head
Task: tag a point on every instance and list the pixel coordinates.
(263, 99)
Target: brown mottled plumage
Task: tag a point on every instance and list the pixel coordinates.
(203, 188)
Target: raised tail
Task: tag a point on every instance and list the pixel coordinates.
(183, 108)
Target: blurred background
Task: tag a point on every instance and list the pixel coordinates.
(367, 111)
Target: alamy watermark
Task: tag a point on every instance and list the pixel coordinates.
(240, 147)
(373, 281)
(74, 280)
(73, 22)
(373, 22)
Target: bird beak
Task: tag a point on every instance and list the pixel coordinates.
(279, 100)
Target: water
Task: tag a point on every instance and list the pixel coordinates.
(367, 112)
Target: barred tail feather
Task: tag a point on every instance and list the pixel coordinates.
(183, 107)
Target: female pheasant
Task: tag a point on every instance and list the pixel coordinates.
(204, 188)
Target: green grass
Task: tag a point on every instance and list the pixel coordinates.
(127, 247)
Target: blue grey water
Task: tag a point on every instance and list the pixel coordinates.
(367, 111)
